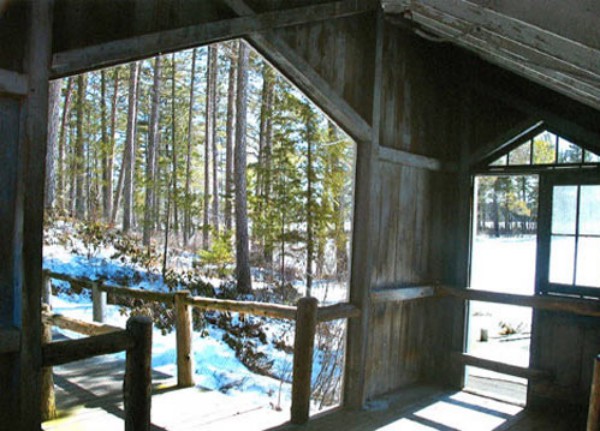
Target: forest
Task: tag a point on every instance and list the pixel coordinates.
(209, 151)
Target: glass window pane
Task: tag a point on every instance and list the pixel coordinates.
(590, 157)
(589, 211)
(520, 155)
(499, 162)
(562, 258)
(544, 148)
(564, 209)
(568, 152)
(588, 262)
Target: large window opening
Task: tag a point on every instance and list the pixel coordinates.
(158, 169)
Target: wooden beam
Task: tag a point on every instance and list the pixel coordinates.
(249, 307)
(520, 132)
(145, 295)
(402, 294)
(63, 352)
(405, 158)
(500, 367)
(547, 58)
(79, 326)
(337, 311)
(133, 48)
(301, 73)
(13, 83)
(584, 307)
(593, 420)
(10, 340)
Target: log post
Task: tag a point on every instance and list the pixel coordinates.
(48, 397)
(46, 289)
(593, 423)
(304, 341)
(137, 388)
(99, 303)
(183, 326)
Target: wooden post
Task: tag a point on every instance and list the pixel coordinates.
(183, 326)
(593, 423)
(46, 289)
(304, 341)
(137, 389)
(99, 303)
(48, 398)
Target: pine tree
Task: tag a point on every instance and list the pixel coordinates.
(129, 148)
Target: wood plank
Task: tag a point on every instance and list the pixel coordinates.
(62, 352)
(10, 340)
(593, 422)
(129, 49)
(402, 293)
(145, 295)
(501, 367)
(300, 72)
(584, 307)
(406, 158)
(13, 83)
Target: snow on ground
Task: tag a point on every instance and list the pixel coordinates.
(216, 365)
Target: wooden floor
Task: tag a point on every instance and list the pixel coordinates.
(89, 398)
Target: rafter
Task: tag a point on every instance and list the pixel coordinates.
(141, 46)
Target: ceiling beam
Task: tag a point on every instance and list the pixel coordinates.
(567, 66)
(13, 83)
(302, 74)
(146, 45)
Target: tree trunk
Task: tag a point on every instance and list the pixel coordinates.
(187, 215)
(174, 145)
(215, 188)
(149, 208)
(263, 175)
(309, 204)
(60, 183)
(53, 127)
(110, 152)
(231, 99)
(128, 149)
(79, 150)
(241, 213)
(209, 137)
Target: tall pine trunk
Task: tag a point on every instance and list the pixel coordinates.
(152, 147)
(53, 127)
(241, 212)
(230, 132)
(60, 181)
(174, 144)
(309, 203)
(79, 149)
(215, 153)
(128, 149)
(110, 152)
(187, 216)
(209, 137)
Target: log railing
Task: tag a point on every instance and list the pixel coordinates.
(307, 315)
(136, 340)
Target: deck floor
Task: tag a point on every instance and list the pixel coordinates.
(89, 398)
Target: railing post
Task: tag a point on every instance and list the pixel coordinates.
(48, 397)
(183, 327)
(593, 423)
(99, 302)
(304, 341)
(137, 389)
(46, 289)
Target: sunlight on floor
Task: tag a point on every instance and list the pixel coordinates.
(460, 411)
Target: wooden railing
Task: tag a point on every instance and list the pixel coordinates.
(307, 315)
(136, 340)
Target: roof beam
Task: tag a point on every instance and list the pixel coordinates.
(13, 83)
(302, 74)
(566, 65)
(141, 46)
